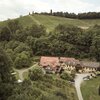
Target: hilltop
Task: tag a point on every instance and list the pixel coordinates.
(50, 22)
(21, 46)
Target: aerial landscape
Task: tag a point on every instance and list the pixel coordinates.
(49, 50)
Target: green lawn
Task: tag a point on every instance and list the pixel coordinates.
(50, 22)
(17, 76)
(90, 89)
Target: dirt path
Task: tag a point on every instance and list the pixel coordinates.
(20, 72)
(35, 20)
(38, 22)
(78, 81)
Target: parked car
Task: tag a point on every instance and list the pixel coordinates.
(86, 78)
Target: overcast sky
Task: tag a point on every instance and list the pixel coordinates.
(15, 8)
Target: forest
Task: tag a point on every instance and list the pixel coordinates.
(19, 45)
(86, 15)
(23, 43)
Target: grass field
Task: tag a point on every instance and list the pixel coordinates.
(90, 89)
(50, 22)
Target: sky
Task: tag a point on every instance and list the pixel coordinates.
(15, 8)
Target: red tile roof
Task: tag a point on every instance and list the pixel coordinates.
(51, 61)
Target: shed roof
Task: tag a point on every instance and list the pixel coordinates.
(90, 64)
(72, 61)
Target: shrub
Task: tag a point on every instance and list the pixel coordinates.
(66, 76)
(36, 74)
(22, 60)
(60, 93)
(73, 72)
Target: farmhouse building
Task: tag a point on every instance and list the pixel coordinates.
(69, 64)
(56, 64)
(90, 66)
(50, 63)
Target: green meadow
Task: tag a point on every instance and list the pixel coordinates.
(50, 22)
(90, 89)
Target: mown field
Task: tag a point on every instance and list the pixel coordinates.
(90, 89)
(50, 22)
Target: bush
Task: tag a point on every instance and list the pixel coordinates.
(36, 74)
(22, 60)
(60, 93)
(73, 72)
(66, 76)
(50, 97)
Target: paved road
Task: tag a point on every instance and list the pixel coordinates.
(78, 81)
(21, 71)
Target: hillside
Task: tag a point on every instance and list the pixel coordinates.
(50, 22)
(21, 47)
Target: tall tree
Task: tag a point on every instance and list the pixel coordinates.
(14, 25)
(5, 66)
(5, 34)
(6, 86)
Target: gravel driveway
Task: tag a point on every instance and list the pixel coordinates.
(21, 71)
(78, 81)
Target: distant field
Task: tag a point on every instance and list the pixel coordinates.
(90, 89)
(50, 22)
